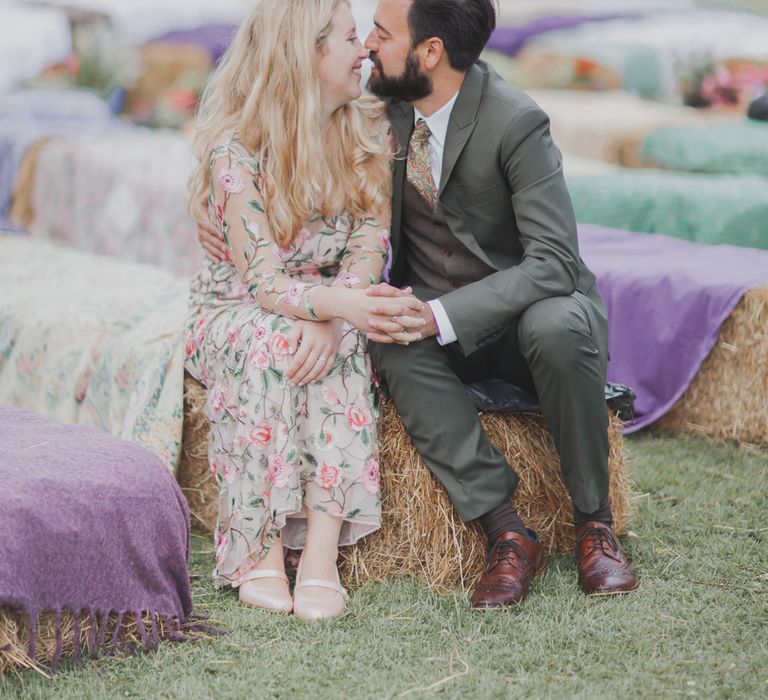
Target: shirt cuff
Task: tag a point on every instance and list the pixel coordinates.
(445, 332)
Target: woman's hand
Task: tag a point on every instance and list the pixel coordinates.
(318, 343)
(366, 313)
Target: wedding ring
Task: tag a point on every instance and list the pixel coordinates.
(323, 358)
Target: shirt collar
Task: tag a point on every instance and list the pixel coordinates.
(438, 122)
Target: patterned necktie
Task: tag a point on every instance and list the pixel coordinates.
(419, 167)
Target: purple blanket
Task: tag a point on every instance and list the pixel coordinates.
(90, 523)
(214, 38)
(667, 299)
(510, 40)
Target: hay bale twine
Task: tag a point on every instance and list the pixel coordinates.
(727, 398)
(421, 533)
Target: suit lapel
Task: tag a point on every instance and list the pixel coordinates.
(401, 118)
(463, 120)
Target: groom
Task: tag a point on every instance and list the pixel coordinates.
(483, 230)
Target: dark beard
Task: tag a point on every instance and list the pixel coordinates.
(410, 85)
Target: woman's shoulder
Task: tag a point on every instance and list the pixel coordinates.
(232, 148)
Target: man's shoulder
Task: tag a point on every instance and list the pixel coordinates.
(505, 101)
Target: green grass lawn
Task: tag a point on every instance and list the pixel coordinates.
(698, 626)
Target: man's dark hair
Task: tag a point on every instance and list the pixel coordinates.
(464, 26)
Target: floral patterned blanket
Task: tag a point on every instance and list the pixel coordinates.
(93, 340)
(121, 194)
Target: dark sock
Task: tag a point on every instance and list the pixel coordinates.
(603, 514)
(503, 518)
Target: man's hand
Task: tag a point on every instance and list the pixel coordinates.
(212, 241)
(390, 328)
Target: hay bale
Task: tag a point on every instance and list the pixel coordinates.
(15, 631)
(194, 475)
(727, 398)
(421, 533)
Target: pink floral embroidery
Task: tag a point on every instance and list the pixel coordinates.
(231, 181)
(217, 402)
(294, 293)
(191, 346)
(261, 434)
(383, 236)
(357, 417)
(219, 213)
(328, 476)
(259, 359)
(280, 471)
(233, 335)
(260, 333)
(346, 279)
(325, 440)
(372, 476)
(238, 443)
(329, 395)
(278, 345)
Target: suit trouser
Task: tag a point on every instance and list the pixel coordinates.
(556, 347)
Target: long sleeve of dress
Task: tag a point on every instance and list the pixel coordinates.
(238, 200)
(365, 255)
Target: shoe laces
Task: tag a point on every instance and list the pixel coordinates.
(509, 552)
(602, 539)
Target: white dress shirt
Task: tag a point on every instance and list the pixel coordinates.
(438, 127)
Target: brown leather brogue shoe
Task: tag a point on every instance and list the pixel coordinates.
(603, 565)
(513, 562)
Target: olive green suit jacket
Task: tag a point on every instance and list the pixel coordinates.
(503, 195)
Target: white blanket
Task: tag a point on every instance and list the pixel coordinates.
(31, 39)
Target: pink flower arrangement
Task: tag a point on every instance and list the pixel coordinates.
(372, 476)
(280, 471)
(231, 181)
(328, 476)
(357, 417)
(261, 434)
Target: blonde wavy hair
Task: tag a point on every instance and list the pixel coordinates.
(266, 91)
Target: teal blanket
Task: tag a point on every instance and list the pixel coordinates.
(709, 209)
(738, 148)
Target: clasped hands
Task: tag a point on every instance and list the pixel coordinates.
(391, 315)
(398, 316)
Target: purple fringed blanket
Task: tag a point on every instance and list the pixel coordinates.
(89, 523)
(667, 299)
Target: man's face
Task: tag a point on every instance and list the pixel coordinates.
(396, 71)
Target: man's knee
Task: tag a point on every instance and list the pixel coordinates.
(556, 332)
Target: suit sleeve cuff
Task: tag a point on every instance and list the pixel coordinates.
(445, 334)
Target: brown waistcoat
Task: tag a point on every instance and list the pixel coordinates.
(435, 257)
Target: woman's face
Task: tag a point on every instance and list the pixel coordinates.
(340, 61)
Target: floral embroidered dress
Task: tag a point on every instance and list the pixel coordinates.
(276, 448)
